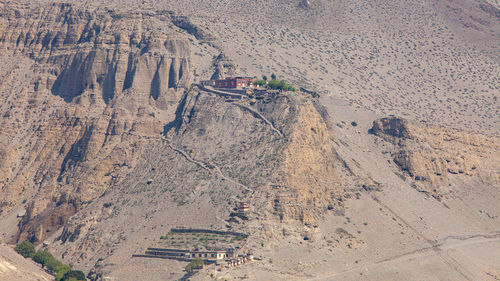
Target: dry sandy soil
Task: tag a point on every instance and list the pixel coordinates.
(433, 62)
(13, 267)
(397, 233)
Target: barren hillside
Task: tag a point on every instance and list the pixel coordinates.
(107, 140)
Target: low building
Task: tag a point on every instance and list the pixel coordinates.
(207, 255)
(210, 83)
(234, 82)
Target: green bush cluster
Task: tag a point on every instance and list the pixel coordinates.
(25, 249)
(274, 84)
(47, 260)
(73, 275)
(196, 263)
(280, 85)
(262, 83)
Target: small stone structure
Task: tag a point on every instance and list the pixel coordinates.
(234, 82)
(243, 208)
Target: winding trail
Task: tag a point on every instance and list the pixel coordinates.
(258, 115)
(439, 248)
(254, 112)
(207, 166)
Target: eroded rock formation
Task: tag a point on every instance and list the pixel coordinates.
(432, 155)
(96, 80)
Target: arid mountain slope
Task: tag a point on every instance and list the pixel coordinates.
(435, 61)
(430, 155)
(92, 80)
(14, 267)
(107, 141)
(214, 155)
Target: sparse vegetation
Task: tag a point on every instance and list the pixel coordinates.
(25, 249)
(48, 261)
(280, 85)
(260, 83)
(196, 263)
(43, 258)
(274, 84)
(73, 275)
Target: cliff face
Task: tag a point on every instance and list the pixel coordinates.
(278, 148)
(275, 154)
(99, 82)
(432, 156)
(98, 49)
(94, 80)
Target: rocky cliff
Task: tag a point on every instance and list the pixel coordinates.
(95, 79)
(432, 156)
(273, 153)
(101, 86)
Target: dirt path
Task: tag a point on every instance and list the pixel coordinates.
(258, 115)
(449, 260)
(207, 166)
(254, 112)
(440, 248)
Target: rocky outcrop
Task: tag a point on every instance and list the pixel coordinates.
(432, 155)
(101, 50)
(310, 177)
(215, 154)
(185, 23)
(223, 67)
(296, 166)
(490, 9)
(96, 82)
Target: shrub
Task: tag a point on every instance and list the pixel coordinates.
(25, 249)
(354, 124)
(52, 264)
(73, 275)
(280, 85)
(196, 263)
(260, 83)
(61, 270)
(43, 257)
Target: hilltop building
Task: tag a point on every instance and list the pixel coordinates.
(234, 82)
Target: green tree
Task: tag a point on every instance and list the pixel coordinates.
(260, 83)
(25, 249)
(43, 258)
(61, 270)
(74, 275)
(53, 264)
(264, 77)
(273, 76)
(196, 263)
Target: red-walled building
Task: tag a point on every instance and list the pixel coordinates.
(234, 82)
